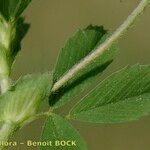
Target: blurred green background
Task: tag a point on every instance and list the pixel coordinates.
(52, 22)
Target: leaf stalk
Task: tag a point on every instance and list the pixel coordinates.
(104, 46)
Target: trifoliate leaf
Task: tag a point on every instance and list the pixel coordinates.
(11, 9)
(23, 100)
(76, 48)
(61, 135)
(123, 96)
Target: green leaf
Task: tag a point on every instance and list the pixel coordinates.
(123, 96)
(24, 99)
(10, 48)
(58, 129)
(21, 28)
(11, 9)
(12, 30)
(11, 35)
(76, 48)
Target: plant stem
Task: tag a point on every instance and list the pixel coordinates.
(7, 130)
(99, 51)
(4, 84)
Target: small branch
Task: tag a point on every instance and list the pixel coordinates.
(99, 51)
(36, 117)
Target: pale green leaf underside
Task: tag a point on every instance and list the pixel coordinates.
(12, 29)
(57, 128)
(16, 34)
(123, 96)
(21, 30)
(24, 99)
(76, 48)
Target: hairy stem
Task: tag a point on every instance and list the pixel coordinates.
(99, 51)
(7, 130)
(4, 84)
